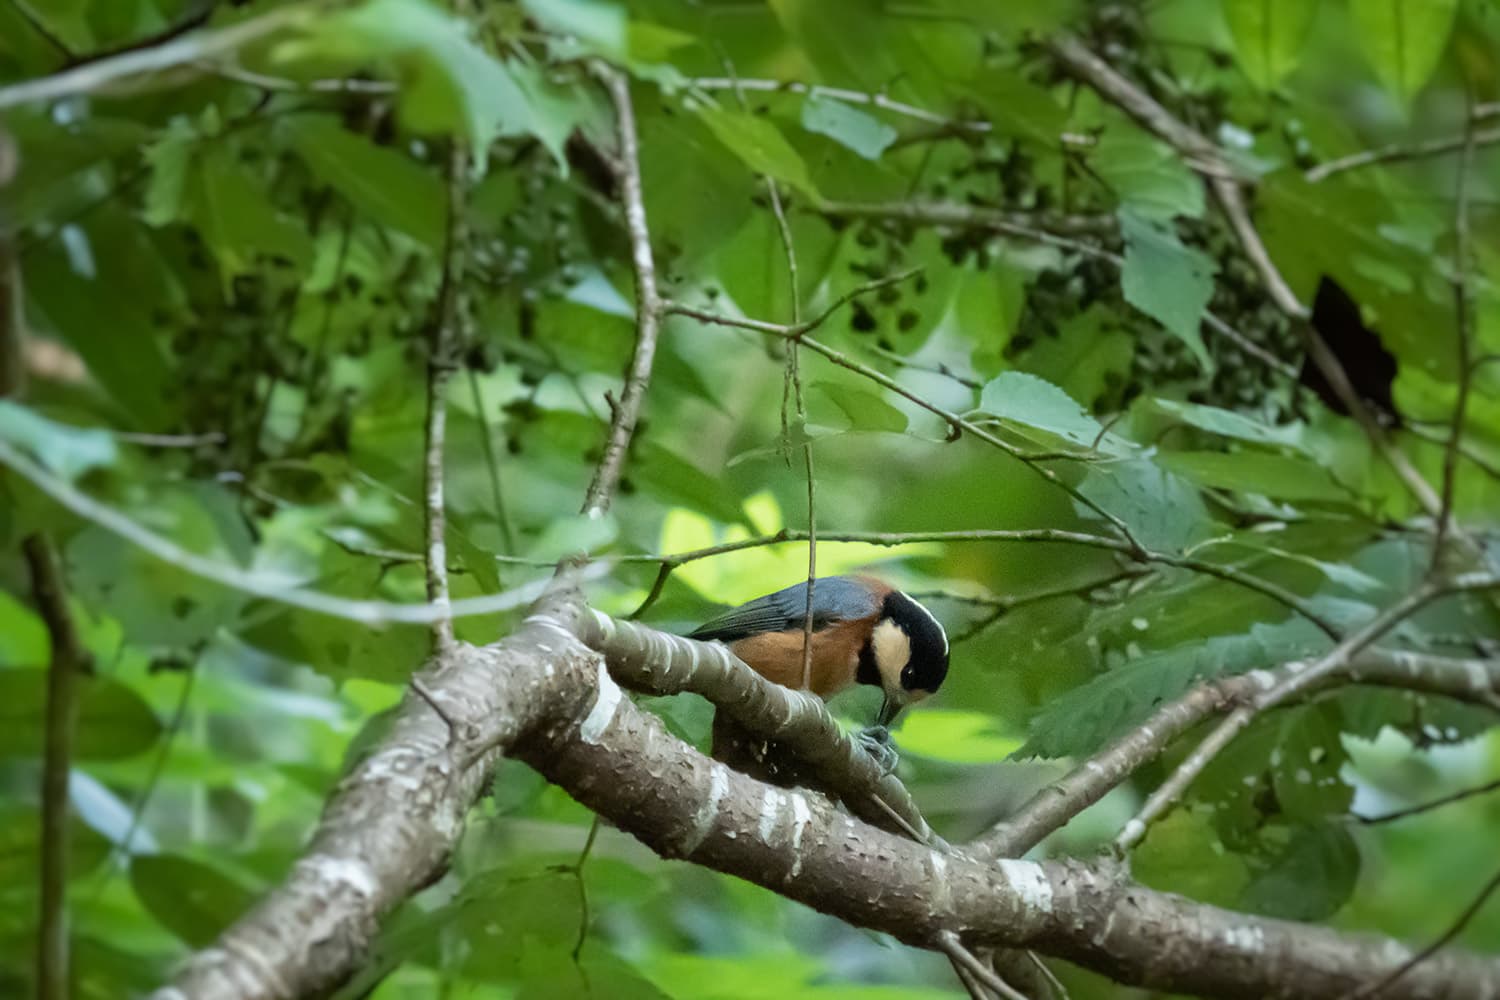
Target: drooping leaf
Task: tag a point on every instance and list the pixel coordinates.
(1167, 281)
(1227, 423)
(1269, 35)
(1150, 178)
(865, 410)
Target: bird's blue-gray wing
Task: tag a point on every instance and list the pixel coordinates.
(835, 598)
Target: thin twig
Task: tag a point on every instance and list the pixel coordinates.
(1438, 803)
(954, 421)
(491, 466)
(323, 86)
(69, 659)
(442, 340)
(839, 93)
(648, 305)
(1463, 335)
(1469, 913)
(40, 27)
(260, 583)
(1398, 152)
(583, 889)
(949, 944)
(94, 76)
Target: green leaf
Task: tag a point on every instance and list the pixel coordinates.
(1227, 423)
(23, 637)
(1081, 721)
(955, 736)
(1149, 177)
(601, 27)
(389, 186)
(1268, 36)
(1162, 510)
(1019, 398)
(1310, 875)
(113, 721)
(1019, 107)
(237, 218)
(21, 842)
(573, 534)
(1403, 39)
(1167, 281)
(848, 126)
(67, 451)
(447, 82)
(866, 410)
(760, 145)
(192, 900)
(1182, 854)
(1278, 476)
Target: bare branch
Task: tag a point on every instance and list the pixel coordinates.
(648, 306)
(1463, 337)
(852, 96)
(1425, 807)
(269, 585)
(1399, 152)
(442, 344)
(96, 75)
(69, 659)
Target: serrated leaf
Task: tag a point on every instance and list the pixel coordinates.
(113, 721)
(760, 146)
(1403, 39)
(389, 186)
(847, 125)
(1163, 510)
(1268, 36)
(1023, 399)
(67, 451)
(1167, 281)
(1280, 476)
(1081, 721)
(1182, 854)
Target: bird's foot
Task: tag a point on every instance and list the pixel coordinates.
(878, 744)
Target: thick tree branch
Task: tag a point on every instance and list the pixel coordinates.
(68, 660)
(648, 304)
(542, 696)
(646, 659)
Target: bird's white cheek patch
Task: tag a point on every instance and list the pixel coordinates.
(892, 651)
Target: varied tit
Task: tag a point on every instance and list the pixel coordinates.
(864, 632)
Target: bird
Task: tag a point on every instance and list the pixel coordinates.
(864, 632)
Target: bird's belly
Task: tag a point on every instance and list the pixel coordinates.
(777, 656)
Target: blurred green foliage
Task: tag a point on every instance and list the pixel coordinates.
(243, 252)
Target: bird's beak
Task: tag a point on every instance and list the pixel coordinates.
(889, 709)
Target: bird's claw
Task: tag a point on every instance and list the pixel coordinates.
(877, 742)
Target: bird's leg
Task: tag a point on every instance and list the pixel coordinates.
(878, 744)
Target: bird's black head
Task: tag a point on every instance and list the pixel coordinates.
(908, 651)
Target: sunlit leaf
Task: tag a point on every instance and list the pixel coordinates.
(1268, 36)
(847, 125)
(1403, 39)
(1170, 282)
(760, 146)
